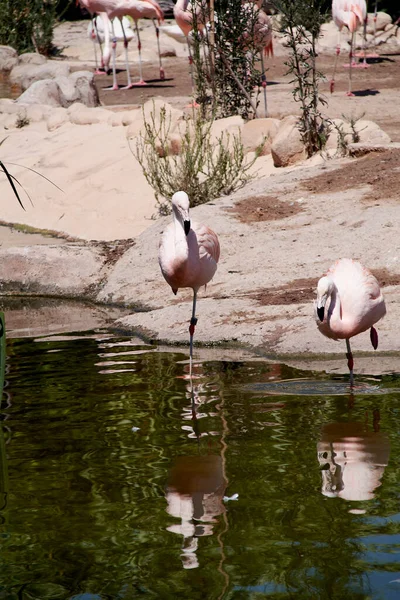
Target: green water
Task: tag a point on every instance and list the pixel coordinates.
(110, 490)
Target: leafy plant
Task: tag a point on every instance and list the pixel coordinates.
(301, 22)
(11, 179)
(205, 167)
(224, 57)
(27, 25)
(22, 121)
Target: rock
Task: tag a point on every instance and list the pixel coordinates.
(167, 50)
(156, 105)
(366, 133)
(57, 118)
(129, 116)
(16, 121)
(55, 270)
(37, 112)
(26, 74)
(42, 92)
(254, 131)
(8, 106)
(32, 58)
(287, 147)
(382, 19)
(84, 84)
(75, 107)
(115, 119)
(68, 90)
(89, 116)
(370, 133)
(228, 125)
(8, 58)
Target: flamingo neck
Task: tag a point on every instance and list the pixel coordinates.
(181, 242)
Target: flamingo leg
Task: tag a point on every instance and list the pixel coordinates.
(162, 74)
(141, 80)
(363, 53)
(350, 93)
(264, 83)
(332, 83)
(129, 82)
(350, 362)
(193, 323)
(114, 54)
(93, 35)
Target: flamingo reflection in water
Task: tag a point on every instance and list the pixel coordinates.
(352, 459)
(194, 494)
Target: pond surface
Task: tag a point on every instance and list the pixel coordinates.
(285, 486)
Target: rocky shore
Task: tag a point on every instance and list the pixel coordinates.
(95, 240)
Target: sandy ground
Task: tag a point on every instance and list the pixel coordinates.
(278, 235)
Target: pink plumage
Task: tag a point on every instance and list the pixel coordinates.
(349, 301)
(137, 9)
(188, 253)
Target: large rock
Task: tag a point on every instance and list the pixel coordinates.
(42, 92)
(257, 132)
(68, 90)
(26, 74)
(84, 84)
(287, 147)
(8, 58)
(52, 270)
(32, 58)
(89, 116)
(362, 131)
(57, 118)
(229, 125)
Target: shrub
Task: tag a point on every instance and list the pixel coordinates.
(27, 25)
(205, 168)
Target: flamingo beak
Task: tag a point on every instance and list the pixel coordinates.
(186, 225)
(321, 313)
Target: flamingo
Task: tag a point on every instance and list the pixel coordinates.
(97, 31)
(261, 38)
(351, 13)
(137, 9)
(183, 13)
(188, 255)
(349, 301)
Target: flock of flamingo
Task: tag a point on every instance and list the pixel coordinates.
(110, 25)
(349, 300)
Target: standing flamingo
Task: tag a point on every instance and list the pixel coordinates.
(353, 14)
(349, 301)
(137, 9)
(97, 31)
(188, 255)
(260, 35)
(183, 13)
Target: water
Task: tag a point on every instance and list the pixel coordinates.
(286, 486)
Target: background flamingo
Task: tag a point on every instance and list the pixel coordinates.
(261, 38)
(183, 13)
(352, 14)
(97, 31)
(137, 9)
(349, 301)
(188, 254)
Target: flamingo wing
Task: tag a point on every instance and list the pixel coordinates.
(207, 242)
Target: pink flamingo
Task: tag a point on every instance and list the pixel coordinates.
(183, 13)
(137, 9)
(349, 301)
(261, 38)
(97, 31)
(351, 13)
(188, 255)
